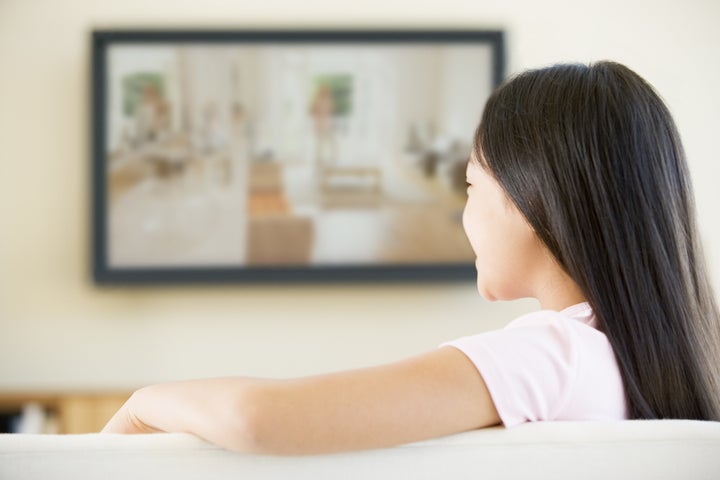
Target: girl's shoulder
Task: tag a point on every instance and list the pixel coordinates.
(547, 365)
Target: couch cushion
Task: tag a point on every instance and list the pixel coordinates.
(657, 449)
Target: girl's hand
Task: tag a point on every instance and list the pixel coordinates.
(126, 421)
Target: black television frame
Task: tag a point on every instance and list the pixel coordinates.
(103, 274)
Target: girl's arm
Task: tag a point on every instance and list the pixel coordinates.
(427, 396)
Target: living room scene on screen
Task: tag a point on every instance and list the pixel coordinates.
(290, 154)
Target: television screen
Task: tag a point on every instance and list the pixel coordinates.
(285, 155)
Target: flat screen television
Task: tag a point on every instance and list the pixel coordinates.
(276, 155)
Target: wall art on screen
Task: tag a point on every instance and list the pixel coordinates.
(285, 155)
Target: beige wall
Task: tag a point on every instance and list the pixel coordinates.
(59, 331)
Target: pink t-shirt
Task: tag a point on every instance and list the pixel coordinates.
(549, 365)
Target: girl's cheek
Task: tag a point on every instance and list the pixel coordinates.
(469, 223)
(472, 224)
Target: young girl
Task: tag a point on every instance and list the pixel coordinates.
(579, 196)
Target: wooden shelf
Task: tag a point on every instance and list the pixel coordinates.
(76, 412)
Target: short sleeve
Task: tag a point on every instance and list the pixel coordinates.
(529, 367)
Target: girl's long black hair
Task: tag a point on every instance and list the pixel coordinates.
(591, 157)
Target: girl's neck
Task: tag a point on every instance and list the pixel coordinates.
(558, 291)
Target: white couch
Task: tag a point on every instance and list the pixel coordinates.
(657, 449)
